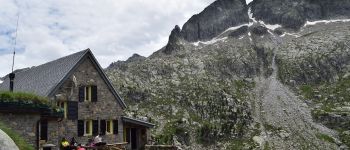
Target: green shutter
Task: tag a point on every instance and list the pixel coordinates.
(81, 94)
(94, 93)
(80, 127)
(103, 127)
(115, 126)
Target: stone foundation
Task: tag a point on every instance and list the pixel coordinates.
(23, 124)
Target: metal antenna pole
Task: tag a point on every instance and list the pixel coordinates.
(12, 75)
(14, 47)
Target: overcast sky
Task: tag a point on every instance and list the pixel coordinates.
(112, 29)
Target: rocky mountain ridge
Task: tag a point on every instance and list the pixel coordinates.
(257, 76)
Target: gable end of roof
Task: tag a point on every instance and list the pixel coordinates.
(89, 55)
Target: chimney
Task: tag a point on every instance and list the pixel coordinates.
(12, 77)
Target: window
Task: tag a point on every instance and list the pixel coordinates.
(88, 94)
(88, 127)
(63, 105)
(43, 130)
(109, 127)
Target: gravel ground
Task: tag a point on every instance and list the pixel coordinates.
(285, 120)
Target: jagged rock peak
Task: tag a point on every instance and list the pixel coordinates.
(123, 64)
(135, 57)
(175, 34)
(215, 19)
(174, 41)
(294, 13)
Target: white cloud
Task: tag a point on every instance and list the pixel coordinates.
(112, 29)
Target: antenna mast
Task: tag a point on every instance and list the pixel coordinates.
(14, 46)
(12, 75)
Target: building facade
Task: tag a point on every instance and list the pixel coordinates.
(91, 105)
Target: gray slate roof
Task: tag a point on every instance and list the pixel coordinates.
(43, 80)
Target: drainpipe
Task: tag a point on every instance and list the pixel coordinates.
(12, 77)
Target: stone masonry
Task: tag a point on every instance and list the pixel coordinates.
(23, 124)
(106, 107)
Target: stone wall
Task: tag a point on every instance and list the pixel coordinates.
(23, 124)
(106, 107)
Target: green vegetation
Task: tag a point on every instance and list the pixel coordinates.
(345, 137)
(175, 128)
(20, 142)
(28, 101)
(269, 127)
(306, 90)
(325, 137)
(26, 98)
(330, 96)
(267, 146)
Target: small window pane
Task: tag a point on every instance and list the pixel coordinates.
(108, 126)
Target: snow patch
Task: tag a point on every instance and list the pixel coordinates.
(269, 26)
(250, 36)
(250, 14)
(234, 28)
(291, 34)
(213, 41)
(311, 23)
(1, 81)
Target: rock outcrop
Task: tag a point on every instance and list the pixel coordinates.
(174, 43)
(231, 81)
(215, 19)
(294, 13)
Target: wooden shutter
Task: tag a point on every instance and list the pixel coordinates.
(72, 109)
(43, 129)
(80, 127)
(81, 94)
(94, 93)
(115, 126)
(95, 127)
(103, 127)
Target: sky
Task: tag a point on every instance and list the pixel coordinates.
(112, 29)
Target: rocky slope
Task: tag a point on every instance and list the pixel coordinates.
(230, 80)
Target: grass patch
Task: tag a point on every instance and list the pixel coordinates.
(267, 146)
(272, 128)
(6, 96)
(345, 138)
(325, 137)
(307, 91)
(19, 140)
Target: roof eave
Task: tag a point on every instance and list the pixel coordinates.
(138, 122)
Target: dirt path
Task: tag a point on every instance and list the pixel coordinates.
(285, 120)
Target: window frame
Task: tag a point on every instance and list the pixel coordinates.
(89, 123)
(63, 105)
(88, 93)
(110, 128)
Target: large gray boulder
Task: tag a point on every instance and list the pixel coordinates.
(6, 143)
